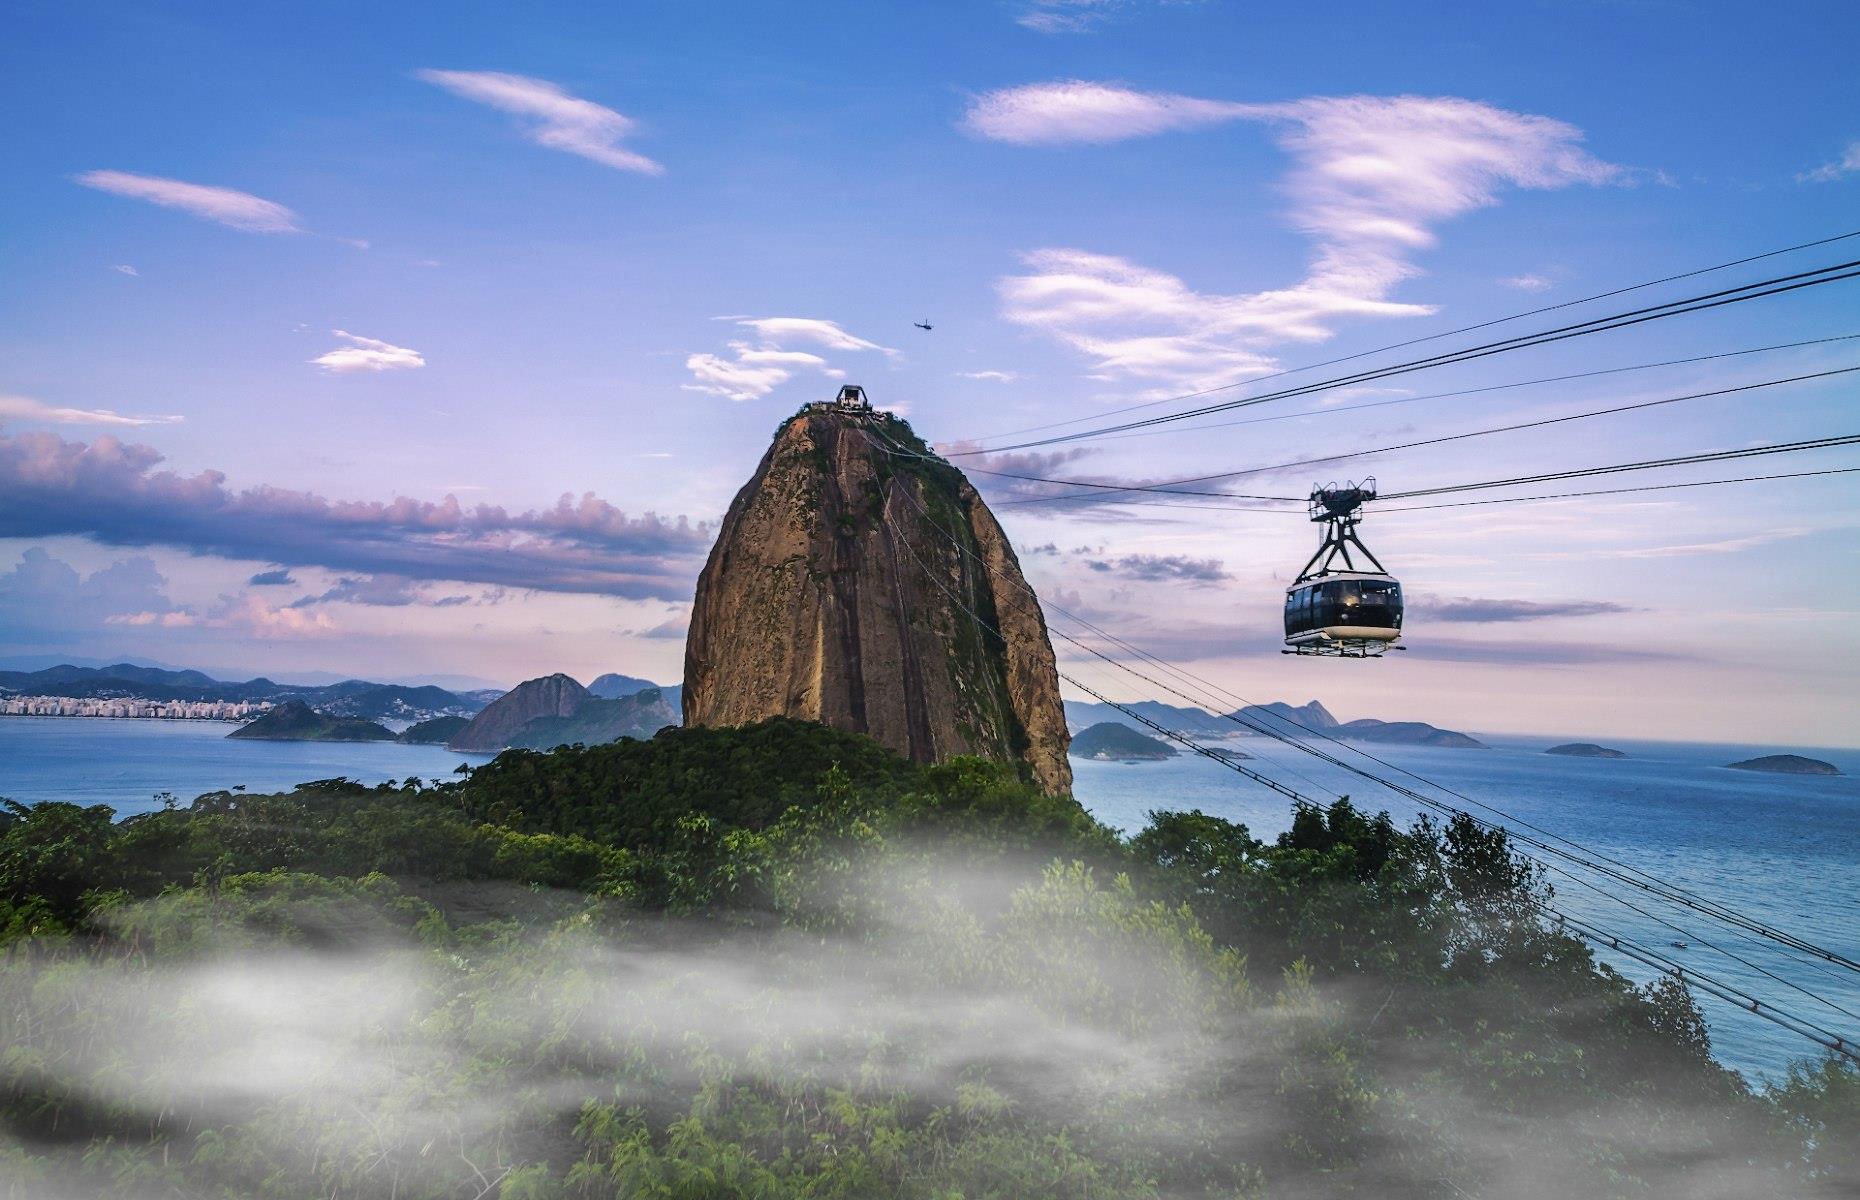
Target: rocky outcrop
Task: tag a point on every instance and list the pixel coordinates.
(502, 719)
(857, 585)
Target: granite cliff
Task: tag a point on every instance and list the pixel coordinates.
(858, 585)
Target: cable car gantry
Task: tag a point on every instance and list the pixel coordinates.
(1352, 610)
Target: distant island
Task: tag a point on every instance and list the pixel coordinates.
(1110, 741)
(1786, 764)
(1584, 750)
(295, 721)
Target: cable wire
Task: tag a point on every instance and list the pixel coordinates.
(1757, 290)
(1434, 337)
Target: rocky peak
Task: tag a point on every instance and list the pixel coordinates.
(858, 585)
(550, 696)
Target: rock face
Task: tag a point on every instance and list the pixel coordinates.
(551, 696)
(841, 590)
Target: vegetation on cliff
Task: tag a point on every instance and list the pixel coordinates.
(782, 961)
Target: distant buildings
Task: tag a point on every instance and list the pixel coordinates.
(166, 710)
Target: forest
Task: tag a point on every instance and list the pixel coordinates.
(781, 961)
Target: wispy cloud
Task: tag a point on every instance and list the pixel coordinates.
(112, 492)
(1075, 112)
(1072, 16)
(809, 329)
(990, 376)
(1487, 611)
(25, 408)
(560, 121)
(125, 269)
(1527, 283)
(1372, 177)
(1163, 568)
(367, 354)
(754, 369)
(1847, 164)
(239, 210)
(280, 577)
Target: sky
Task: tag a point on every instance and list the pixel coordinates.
(431, 342)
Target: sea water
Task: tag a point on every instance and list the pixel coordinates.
(1784, 849)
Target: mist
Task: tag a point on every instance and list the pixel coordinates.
(316, 1033)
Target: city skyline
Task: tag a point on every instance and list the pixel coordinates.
(440, 353)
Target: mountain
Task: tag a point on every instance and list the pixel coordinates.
(295, 721)
(599, 721)
(1179, 718)
(434, 732)
(1786, 764)
(1116, 742)
(858, 580)
(348, 698)
(1405, 733)
(550, 696)
(612, 686)
(1274, 716)
(1584, 750)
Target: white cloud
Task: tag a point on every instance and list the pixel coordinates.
(1527, 283)
(126, 269)
(368, 354)
(1846, 164)
(1075, 111)
(754, 369)
(751, 373)
(1371, 178)
(808, 329)
(562, 122)
(24, 408)
(993, 376)
(240, 210)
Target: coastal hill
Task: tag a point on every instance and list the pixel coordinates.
(435, 732)
(1786, 764)
(858, 580)
(1279, 717)
(295, 721)
(1584, 750)
(555, 710)
(1111, 741)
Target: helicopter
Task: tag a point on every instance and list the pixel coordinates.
(923, 324)
(1347, 611)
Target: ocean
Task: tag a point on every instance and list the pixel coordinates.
(1781, 848)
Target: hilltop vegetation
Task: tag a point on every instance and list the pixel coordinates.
(782, 961)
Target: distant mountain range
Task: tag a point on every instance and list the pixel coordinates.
(1277, 716)
(358, 698)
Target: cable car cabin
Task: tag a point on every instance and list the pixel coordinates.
(1336, 606)
(1345, 613)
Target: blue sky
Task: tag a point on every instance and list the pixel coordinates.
(426, 342)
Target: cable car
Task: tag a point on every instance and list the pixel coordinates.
(1338, 607)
